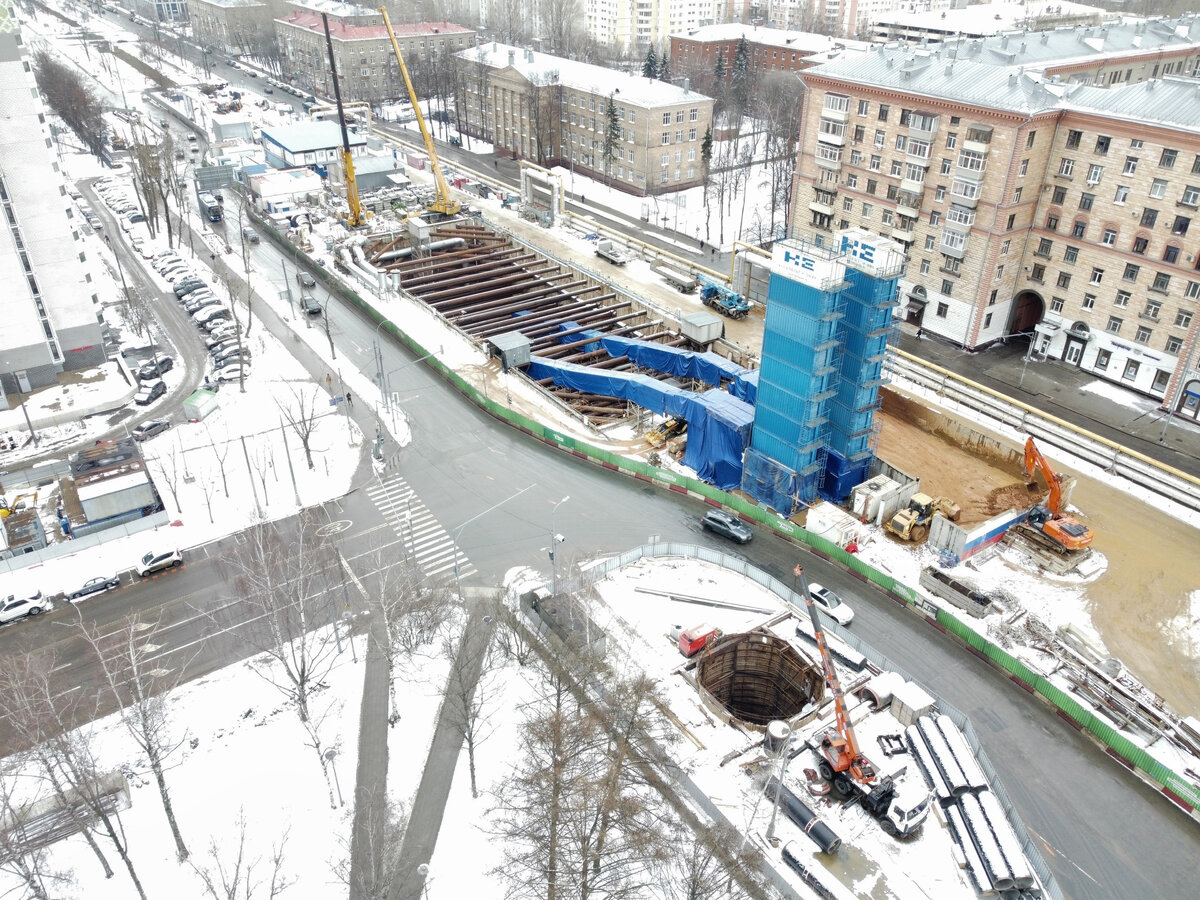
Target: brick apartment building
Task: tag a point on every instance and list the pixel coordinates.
(771, 49)
(1045, 185)
(552, 111)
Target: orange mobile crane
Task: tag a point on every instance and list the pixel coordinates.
(444, 204)
(845, 766)
(1046, 524)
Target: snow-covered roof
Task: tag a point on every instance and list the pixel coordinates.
(307, 136)
(340, 30)
(990, 18)
(800, 41)
(543, 68)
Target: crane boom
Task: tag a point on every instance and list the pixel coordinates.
(355, 217)
(444, 203)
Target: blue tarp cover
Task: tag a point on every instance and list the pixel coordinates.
(708, 367)
(745, 387)
(718, 423)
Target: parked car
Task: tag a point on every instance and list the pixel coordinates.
(222, 329)
(218, 340)
(157, 560)
(233, 357)
(173, 275)
(94, 586)
(212, 326)
(134, 214)
(306, 280)
(726, 525)
(187, 286)
(154, 368)
(831, 604)
(19, 607)
(310, 305)
(250, 234)
(149, 392)
(211, 314)
(150, 428)
(200, 301)
(231, 373)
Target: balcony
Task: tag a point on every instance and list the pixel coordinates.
(821, 208)
(908, 186)
(828, 157)
(908, 203)
(904, 235)
(836, 115)
(976, 146)
(954, 243)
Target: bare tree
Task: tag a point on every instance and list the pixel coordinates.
(139, 688)
(302, 417)
(234, 879)
(207, 488)
(168, 469)
(20, 857)
(470, 691)
(72, 100)
(383, 836)
(710, 863)
(220, 455)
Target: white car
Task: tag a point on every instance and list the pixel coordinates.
(156, 561)
(831, 604)
(231, 373)
(15, 608)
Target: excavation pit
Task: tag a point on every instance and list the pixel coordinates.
(758, 677)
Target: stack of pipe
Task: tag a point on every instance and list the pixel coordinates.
(961, 752)
(949, 767)
(808, 876)
(924, 757)
(1006, 839)
(995, 866)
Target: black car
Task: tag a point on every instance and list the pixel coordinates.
(306, 280)
(188, 285)
(95, 586)
(150, 428)
(310, 305)
(149, 392)
(250, 235)
(726, 525)
(155, 368)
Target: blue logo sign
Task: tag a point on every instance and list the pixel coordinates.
(800, 261)
(858, 249)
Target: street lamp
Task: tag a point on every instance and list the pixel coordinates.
(555, 539)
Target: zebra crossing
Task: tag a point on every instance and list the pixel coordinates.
(421, 535)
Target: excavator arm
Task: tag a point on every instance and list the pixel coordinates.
(1035, 461)
(444, 204)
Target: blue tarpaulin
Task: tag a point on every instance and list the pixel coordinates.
(718, 423)
(708, 367)
(745, 387)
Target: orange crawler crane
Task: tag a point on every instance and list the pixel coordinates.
(1046, 521)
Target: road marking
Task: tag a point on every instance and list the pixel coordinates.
(335, 527)
(422, 537)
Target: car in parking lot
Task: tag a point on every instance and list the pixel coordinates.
(95, 222)
(310, 305)
(15, 607)
(188, 285)
(200, 300)
(149, 392)
(157, 560)
(170, 261)
(173, 275)
(231, 373)
(210, 314)
(154, 368)
(234, 357)
(250, 234)
(222, 329)
(831, 604)
(94, 586)
(727, 525)
(306, 280)
(150, 428)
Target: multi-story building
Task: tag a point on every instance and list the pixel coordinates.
(901, 22)
(234, 26)
(160, 10)
(771, 49)
(1044, 185)
(51, 321)
(366, 63)
(554, 111)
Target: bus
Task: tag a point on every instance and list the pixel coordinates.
(210, 207)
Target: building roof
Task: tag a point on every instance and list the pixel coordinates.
(227, 4)
(543, 68)
(340, 30)
(305, 137)
(800, 41)
(990, 18)
(1173, 102)
(335, 8)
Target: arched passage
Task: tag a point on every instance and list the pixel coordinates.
(1028, 309)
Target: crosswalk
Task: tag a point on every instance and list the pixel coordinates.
(421, 535)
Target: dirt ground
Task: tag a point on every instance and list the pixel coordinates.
(1153, 559)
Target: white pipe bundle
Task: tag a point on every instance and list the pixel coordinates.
(962, 752)
(985, 842)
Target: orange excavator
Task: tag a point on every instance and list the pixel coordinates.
(845, 766)
(1046, 521)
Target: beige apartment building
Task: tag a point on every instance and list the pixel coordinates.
(1044, 184)
(553, 111)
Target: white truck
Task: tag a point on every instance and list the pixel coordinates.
(615, 254)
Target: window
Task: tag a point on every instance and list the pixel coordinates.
(856, 157)
(666, 138)
(935, 218)
(864, 106)
(947, 287)
(1131, 369)
(666, 118)
(1052, 222)
(888, 216)
(1114, 325)
(1122, 195)
(1110, 237)
(1024, 169)
(1017, 195)
(946, 165)
(1183, 319)
(1191, 196)
(1192, 291)
(1135, 144)
(1057, 304)
(1181, 225)
(1171, 253)
(1143, 335)
(1089, 301)
(1149, 217)
(1153, 309)
(971, 160)
(1012, 221)
(1196, 165)
(1122, 299)
(930, 242)
(1174, 345)
(1131, 272)
(1097, 276)
(942, 309)
(924, 267)
(987, 321)
(679, 117)
(1130, 165)
(992, 297)
(1167, 160)
(893, 192)
(1005, 247)
(1044, 247)
(1079, 229)
(1060, 195)
(952, 142)
(875, 161)
(883, 112)
(1140, 244)
(1066, 167)
(1102, 144)
(1071, 254)
(1095, 173)
(999, 272)
(848, 204)
(901, 142)
(860, 132)
(1158, 188)
(1029, 140)
(1162, 282)
(1102, 359)
(880, 138)
(1064, 280)
(940, 194)
(1037, 273)
(897, 168)
(867, 210)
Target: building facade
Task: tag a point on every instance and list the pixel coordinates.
(234, 26)
(52, 320)
(366, 63)
(770, 49)
(554, 111)
(1040, 191)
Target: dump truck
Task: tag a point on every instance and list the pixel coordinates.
(912, 523)
(615, 254)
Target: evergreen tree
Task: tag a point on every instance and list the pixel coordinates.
(650, 66)
(664, 67)
(612, 136)
(719, 71)
(741, 76)
(706, 147)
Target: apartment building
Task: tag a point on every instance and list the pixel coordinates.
(234, 26)
(1042, 183)
(554, 111)
(771, 49)
(941, 21)
(366, 63)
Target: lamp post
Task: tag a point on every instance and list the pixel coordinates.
(1028, 353)
(555, 539)
(454, 535)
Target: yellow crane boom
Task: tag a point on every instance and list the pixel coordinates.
(444, 203)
